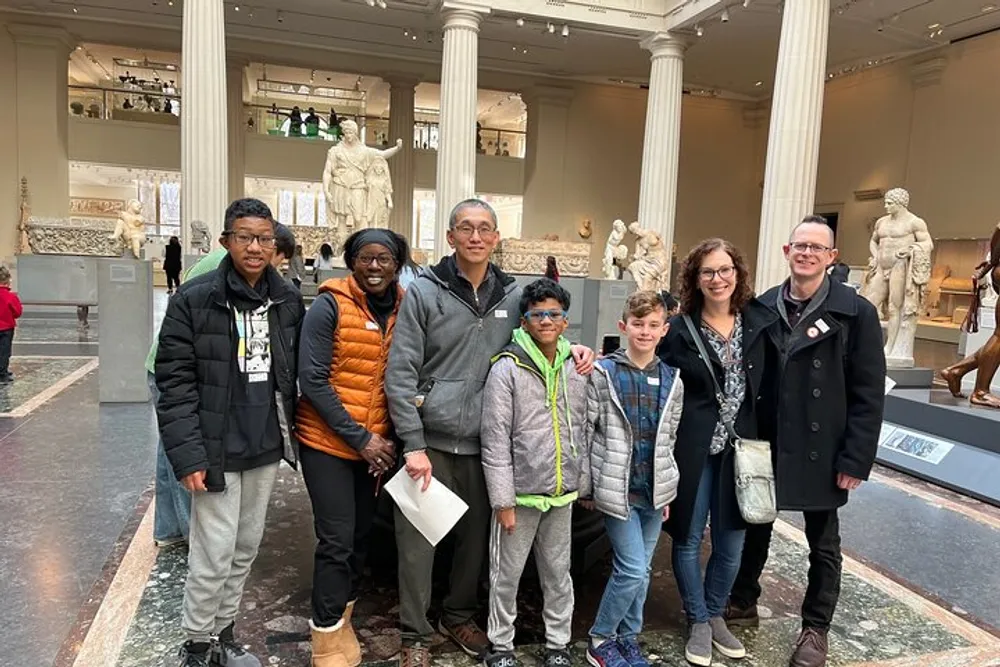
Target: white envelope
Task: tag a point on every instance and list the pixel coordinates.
(433, 512)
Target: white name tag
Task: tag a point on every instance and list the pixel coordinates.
(256, 377)
(371, 326)
(500, 314)
(655, 382)
(822, 326)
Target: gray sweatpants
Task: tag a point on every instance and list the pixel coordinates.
(226, 529)
(550, 533)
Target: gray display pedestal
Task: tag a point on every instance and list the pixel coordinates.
(125, 297)
(969, 343)
(603, 301)
(917, 438)
(58, 280)
(912, 378)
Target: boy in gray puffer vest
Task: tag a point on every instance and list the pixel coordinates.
(536, 462)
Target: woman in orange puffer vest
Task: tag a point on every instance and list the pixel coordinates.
(343, 426)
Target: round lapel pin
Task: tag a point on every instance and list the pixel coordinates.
(812, 332)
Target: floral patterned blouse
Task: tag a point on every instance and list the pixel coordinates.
(730, 352)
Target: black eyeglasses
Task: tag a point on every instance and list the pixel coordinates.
(814, 248)
(383, 259)
(246, 238)
(724, 272)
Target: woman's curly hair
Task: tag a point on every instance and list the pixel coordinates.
(691, 297)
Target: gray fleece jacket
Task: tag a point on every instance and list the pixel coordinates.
(530, 447)
(440, 357)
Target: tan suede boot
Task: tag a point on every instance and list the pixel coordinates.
(351, 646)
(328, 646)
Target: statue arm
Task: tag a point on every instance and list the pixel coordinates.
(389, 152)
(328, 174)
(922, 236)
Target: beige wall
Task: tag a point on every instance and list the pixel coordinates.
(940, 140)
(9, 176)
(124, 143)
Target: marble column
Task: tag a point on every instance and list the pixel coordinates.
(545, 162)
(401, 103)
(793, 140)
(204, 135)
(41, 101)
(662, 141)
(456, 157)
(236, 126)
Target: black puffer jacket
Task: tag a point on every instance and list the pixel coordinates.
(193, 369)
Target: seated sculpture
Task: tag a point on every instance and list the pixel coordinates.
(130, 230)
(650, 267)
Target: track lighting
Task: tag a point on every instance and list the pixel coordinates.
(725, 15)
(699, 30)
(746, 3)
(519, 22)
(565, 30)
(75, 10)
(551, 28)
(281, 17)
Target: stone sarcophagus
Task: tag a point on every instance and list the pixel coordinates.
(528, 256)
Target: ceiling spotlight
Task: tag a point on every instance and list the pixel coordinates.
(519, 22)
(413, 37)
(746, 3)
(565, 31)
(381, 4)
(371, 3)
(940, 30)
(698, 30)
(725, 15)
(236, 8)
(281, 17)
(550, 28)
(75, 10)
(988, 8)
(524, 51)
(513, 48)
(406, 32)
(934, 26)
(170, 3)
(758, 84)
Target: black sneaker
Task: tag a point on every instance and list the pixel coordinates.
(501, 659)
(192, 654)
(558, 658)
(227, 653)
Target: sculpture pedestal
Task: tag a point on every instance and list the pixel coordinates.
(603, 301)
(911, 378)
(528, 256)
(125, 298)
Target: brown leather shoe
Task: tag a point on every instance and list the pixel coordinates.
(741, 617)
(810, 649)
(468, 636)
(415, 655)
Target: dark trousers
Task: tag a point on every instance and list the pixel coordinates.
(462, 474)
(173, 278)
(6, 343)
(343, 501)
(823, 591)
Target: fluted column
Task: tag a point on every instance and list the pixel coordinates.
(401, 99)
(204, 136)
(662, 142)
(236, 130)
(793, 140)
(456, 158)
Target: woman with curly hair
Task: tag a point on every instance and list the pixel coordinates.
(717, 296)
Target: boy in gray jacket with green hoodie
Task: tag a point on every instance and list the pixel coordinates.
(536, 461)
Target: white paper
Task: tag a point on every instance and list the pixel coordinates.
(433, 512)
(889, 384)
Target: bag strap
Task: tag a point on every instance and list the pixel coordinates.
(719, 396)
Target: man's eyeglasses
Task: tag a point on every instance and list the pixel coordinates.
(814, 248)
(724, 272)
(246, 238)
(384, 259)
(536, 316)
(468, 231)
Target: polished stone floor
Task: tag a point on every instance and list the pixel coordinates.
(83, 586)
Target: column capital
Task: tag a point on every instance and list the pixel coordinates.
(401, 79)
(42, 35)
(543, 93)
(237, 61)
(665, 44)
(460, 14)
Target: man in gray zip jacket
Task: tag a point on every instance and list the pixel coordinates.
(454, 318)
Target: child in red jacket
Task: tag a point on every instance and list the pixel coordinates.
(10, 310)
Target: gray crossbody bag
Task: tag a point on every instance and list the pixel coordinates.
(752, 459)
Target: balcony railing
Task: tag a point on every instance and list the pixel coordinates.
(150, 107)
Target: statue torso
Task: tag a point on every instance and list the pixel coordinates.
(895, 235)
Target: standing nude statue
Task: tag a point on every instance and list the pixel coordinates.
(986, 359)
(614, 250)
(131, 228)
(345, 181)
(650, 267)
(898, 273)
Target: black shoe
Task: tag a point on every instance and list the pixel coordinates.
(226, 652)
(501, 659)
(6, 377)
(192, 654)
(558, 658)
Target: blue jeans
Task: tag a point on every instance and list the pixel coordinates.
(633, 543)
(705, 600)
(172, 515)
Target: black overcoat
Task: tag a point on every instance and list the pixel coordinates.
(828, 398)
(701, 411)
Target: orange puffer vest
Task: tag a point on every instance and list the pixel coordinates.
(357, 371)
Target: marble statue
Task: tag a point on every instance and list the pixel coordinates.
(898, 273)
(200, 240)
(379, 203)
(130, 230)
(986, 359)
(650, 266)
(345, 182)
(614, 251)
